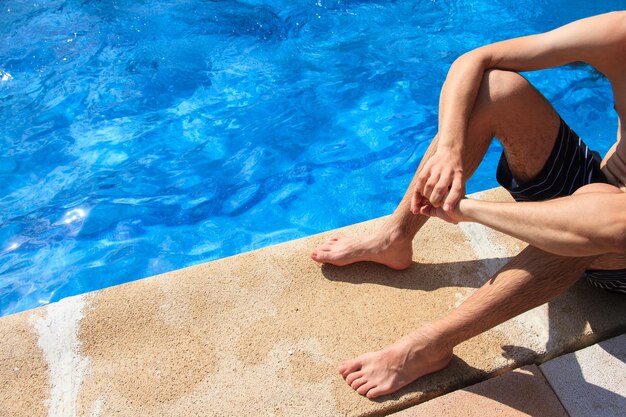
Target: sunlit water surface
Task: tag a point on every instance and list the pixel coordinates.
(139, 137)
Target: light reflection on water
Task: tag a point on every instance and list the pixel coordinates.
(142, 137)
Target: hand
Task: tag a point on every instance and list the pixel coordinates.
(451, 216)
(440, 182)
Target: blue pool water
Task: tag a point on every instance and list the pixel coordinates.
(139, 137)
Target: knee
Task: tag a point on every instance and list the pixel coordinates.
(498, 85)
(617, 240)
(611, 223)
(500, 92)
(598, 187)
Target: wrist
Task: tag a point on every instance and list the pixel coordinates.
(453, 145)
(464, 210)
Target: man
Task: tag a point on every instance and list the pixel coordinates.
(570, 206)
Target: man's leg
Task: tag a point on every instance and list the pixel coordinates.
(526, 124)
(529, 280)
(507, 107)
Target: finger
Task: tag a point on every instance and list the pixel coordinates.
(426, 210)
(416, 201)
(457, 191)
(430, 185)
(417, 197)
(440, 190)
(422, 178)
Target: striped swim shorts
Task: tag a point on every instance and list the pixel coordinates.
(571, 165)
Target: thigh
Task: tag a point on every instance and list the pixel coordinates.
(509, 108)
(609, 261)
(522, 119)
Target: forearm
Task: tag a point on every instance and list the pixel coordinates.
(458, 96)
(440, 180)
(578, 225)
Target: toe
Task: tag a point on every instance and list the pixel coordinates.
(353, 376)
(330, 242)
(343, 369)
(377, 392)
(315, 255)
(349, 367)
(359, 382)
(365, 388)
(319, 255)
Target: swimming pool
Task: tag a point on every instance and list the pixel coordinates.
(141, 137)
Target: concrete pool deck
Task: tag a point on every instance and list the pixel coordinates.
(261, 333)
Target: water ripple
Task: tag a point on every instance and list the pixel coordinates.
(139, 137)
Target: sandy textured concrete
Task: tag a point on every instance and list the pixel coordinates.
(592, 381)
(523, 392)
(261, 333)
(24, 373)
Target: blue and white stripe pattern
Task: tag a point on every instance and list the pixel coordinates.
(570, 166)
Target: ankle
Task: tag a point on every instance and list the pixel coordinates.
(437, 338)
(395, 235)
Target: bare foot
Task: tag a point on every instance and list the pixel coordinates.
(340, 251)
(379, 373)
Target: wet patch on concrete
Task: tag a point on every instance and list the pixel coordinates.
(57, 336)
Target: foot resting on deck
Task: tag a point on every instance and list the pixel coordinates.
(340, 251)
(379, 373)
